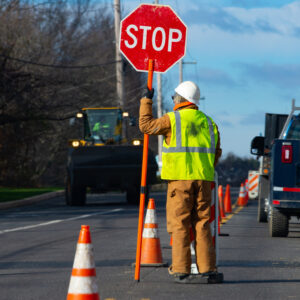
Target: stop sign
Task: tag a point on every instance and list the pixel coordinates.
(153, 32)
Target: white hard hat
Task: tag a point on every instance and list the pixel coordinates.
(189, 91)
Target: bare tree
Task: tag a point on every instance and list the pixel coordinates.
(55, 58)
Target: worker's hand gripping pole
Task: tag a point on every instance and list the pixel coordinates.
(143, 187)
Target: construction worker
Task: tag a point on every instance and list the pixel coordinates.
(101, 129)
(191, 150)
(102, 124)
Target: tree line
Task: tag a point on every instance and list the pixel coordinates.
(55, 58)
(233, 170)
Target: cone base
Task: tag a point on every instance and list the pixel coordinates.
(152, 265)
(151, 251)
(155, 265)
(83, 297)
(241, 202)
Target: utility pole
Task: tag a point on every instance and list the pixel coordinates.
(181, 62)
(159, 111)
(180, 70)
(119, 65)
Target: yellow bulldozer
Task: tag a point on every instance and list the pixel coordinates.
(103, 159)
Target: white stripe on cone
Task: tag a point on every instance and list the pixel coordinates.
(150, 217)
(194, 269)
(192, 246)
(83, 285)
(150, 233)
(84, 257)
(242, 191)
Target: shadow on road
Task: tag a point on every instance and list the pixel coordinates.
(260, 264)
(262, 281)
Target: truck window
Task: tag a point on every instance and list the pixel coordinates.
(294, 131)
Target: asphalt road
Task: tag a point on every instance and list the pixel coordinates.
(38, 244)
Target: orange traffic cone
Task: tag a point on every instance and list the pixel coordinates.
(151, 250)
(219, 226)
(227, 200)
(246, 192)
(83, 285)
(241, 199)
(221, 206)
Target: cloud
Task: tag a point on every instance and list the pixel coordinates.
(255, 118)
(282, 76)
(283, 19)
(297, 32)
(225, 20)
(217, 17)
(256, 3)
(226, 124)
(262, 25)
(215, 77)
(237, 16)
(235, 19)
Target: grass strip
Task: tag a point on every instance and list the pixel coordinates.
(10, 194)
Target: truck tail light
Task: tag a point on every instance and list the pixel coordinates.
(286, 153)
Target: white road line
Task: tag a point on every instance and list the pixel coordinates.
(59, 221)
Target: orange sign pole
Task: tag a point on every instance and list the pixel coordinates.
(143, 186)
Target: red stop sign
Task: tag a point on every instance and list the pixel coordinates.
(153, 32)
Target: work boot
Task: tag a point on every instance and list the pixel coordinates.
(186, 278)
(178, 277)
(212, 277)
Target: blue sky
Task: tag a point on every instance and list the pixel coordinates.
(248, 62)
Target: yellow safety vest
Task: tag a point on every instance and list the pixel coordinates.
(191, 152)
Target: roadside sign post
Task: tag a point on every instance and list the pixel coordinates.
(152, 38)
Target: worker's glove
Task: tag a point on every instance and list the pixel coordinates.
(148, 93)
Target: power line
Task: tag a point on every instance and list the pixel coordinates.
(69, 89)
(59, 66)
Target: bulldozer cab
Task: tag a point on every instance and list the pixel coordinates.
(102, 125)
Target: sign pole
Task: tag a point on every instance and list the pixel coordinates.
(143, 186)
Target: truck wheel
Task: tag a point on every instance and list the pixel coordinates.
(262, 216)
(133, 195)
(278, 224)
(75, 195)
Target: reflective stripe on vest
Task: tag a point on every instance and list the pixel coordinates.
(180, 148)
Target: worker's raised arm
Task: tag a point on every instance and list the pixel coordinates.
(147, 123)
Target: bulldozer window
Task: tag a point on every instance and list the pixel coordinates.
(103, 125)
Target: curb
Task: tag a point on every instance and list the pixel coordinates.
(161, 187)
(30, 200)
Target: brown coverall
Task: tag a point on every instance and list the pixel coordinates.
(188, 202)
